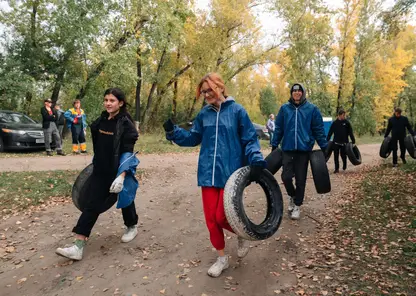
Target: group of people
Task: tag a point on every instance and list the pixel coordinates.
(228, 142)
(53, 121)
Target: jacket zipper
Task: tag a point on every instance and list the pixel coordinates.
(296, 130)
(215, 149)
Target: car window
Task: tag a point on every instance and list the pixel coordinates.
(15, 118)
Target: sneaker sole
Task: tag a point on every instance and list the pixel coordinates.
(215, 276)
(62, 255)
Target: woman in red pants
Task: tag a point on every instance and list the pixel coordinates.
(228, 142)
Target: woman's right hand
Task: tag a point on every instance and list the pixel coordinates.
(168, 126)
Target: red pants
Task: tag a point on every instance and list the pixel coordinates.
(212, 199)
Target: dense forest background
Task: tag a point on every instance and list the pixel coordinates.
(361, 57)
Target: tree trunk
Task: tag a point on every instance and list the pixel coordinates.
(139, 83)
(58, 84)
(175, 89)
(191, 110)
(341, 74)
(33, 22)
(154, 85)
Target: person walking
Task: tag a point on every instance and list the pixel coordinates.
(228, 142)
(299, 124)
(342, 130)
(270, 127)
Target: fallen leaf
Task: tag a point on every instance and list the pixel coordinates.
(162, 291)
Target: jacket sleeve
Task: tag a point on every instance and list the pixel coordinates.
(249, 141)
(84, 120)
(46, 116)
(185, 138)
(350, 132)
(318, 130)
(278, 128)
(331, 131)
(68, 116)
(388, 130)
(130, 136)
(409, 127)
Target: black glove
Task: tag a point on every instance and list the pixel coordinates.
(168, 125)
(255, 172)
(274, 147)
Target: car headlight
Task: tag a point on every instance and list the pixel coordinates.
(10, 131)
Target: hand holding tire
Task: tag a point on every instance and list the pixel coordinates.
(168, 126)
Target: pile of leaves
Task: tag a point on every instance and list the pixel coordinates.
(368, 241)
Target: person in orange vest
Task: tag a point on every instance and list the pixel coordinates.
(77, 123)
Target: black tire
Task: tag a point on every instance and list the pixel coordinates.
(385, 148)
(320, 172)
(1, 145)
(409, 143)
(329, 149)
(353, 153)
(234, 207)
(81, 194)
(274, 161)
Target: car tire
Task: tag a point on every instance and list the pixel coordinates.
(81, 194)
(234, 207)
(409, 143)
(353, 154)
(1, 145)
(320, 172)
(385, 148)
(329, 149)
(274, 161)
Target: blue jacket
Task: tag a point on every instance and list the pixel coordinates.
(70, 116)
(228, 142)
(128, 164)
(299, 126)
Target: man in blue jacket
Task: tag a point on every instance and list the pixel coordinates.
(299, 123)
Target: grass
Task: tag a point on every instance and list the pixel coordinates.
(380, 224)
(368, 139)
(21, 190)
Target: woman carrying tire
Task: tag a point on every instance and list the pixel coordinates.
(114, 135)
(228, 139)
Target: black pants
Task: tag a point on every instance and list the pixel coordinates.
(295, 163)
(394, 148)
(100, 197)
(78, 136)
(337, 149)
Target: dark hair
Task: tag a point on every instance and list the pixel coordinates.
(47, 100)
(398, 110)
(341, 111)
(76, 101)
(119, 94)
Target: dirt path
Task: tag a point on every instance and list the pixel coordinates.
(172, 252)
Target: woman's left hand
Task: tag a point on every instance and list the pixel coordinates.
(117, 185)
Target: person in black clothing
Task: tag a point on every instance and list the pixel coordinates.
(341, 128)
(113, 134)
(397, 126)
(60, 121)
(49, 118)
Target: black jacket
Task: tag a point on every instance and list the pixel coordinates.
(61, 117)
(397, 126)
(46, 118)
(124, 138)
(341, 130)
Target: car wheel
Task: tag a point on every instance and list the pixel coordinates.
(1, 145)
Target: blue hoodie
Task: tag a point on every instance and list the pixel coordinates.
(228, 142)
(299, 126)
(128, 164)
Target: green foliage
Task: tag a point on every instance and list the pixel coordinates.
(268, 101)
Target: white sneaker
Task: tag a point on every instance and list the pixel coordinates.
(72, 252)
(243, 247)
(216, 269)
(130, 234)
(295, 213)
(291, 204)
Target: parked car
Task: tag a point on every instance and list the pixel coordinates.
(262, 132)
(18, 131)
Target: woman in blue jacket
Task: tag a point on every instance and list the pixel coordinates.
(228, 142)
